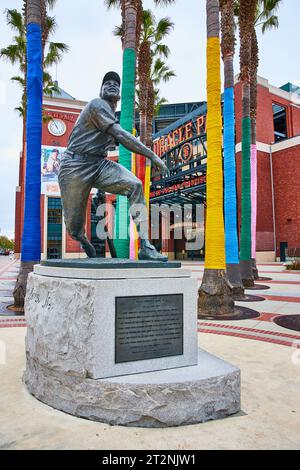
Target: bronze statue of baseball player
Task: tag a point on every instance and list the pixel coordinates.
(84, 166)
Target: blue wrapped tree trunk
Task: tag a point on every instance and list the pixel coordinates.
(31, 240)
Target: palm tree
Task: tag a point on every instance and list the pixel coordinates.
(16, 54)
(247, 10)
(230, 194)
(31, 242)
(253, 114)
(131, 11)
(215, 296)
(160, 73)
(151, 71)
(151, 68)
(267, 20)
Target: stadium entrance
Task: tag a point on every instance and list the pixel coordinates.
(183, 148)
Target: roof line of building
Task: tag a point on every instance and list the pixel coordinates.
(188, 117)
(274, 90)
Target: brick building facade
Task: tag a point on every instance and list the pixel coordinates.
(278, 168)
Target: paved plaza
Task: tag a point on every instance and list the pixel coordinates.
(268, 355)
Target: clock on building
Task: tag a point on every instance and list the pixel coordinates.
(57, 127)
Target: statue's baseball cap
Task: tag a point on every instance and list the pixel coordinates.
(111, 76)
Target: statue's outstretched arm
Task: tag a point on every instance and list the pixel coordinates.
(134, 145)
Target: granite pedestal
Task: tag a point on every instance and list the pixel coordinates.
(117, 343)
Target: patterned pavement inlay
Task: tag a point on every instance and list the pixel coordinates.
(240, 313)
(290, 322)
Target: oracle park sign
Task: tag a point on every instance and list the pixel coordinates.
(181, 138)
(182, 146)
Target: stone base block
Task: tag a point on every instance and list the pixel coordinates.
(174, 397)
(77, 325)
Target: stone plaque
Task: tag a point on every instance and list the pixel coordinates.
(148, 327)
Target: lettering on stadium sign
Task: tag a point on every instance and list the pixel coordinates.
(182, 135)
(63, 116)
(177, 187)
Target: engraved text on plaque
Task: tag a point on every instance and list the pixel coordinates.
(148, 327)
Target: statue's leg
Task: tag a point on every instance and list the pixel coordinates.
(115, 179)
(75, 191)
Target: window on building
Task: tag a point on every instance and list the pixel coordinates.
(280, 122)
(180, 109)
(54, 228)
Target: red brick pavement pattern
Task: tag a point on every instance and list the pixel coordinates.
(291, 283)
(6, 267)
(280, 298)
(275, 297)
(12, 325)
(13, 322)
(265, 332)
(12, 319)
(245, 336)
(268, 317)
(279, 272)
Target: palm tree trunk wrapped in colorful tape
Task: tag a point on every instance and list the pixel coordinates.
(134, 239)
(151, 71)
(122, 237)
(16, 53)
(31, 241)
(253, 115)
(131, 22)
(246, 20)
(230, 192)
(215, 296)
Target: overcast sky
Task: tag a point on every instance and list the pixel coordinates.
(86, 26)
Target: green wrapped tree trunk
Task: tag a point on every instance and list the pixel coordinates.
(122, 235)
(247, 10)
(245, 244)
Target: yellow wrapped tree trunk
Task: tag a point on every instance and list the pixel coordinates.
(215, 296)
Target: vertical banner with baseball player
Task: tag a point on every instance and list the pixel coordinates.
(51, 157)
